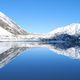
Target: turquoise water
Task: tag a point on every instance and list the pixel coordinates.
(40, 64)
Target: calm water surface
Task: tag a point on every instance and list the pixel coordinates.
(36, 62)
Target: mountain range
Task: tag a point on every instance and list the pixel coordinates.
(10, 31)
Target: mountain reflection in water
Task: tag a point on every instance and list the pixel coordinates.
(9, 50)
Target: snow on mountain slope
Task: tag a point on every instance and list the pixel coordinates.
(10, 26)
(72, 29)
(4, 32)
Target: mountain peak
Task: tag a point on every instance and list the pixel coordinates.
(72, 29)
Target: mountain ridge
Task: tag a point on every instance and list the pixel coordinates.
(10, 31)
(10, 26)
(72, 29)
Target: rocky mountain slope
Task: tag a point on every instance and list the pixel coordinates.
(11, 28)
(10, 31)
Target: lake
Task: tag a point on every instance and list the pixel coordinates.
(38, 61)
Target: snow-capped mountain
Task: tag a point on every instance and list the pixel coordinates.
(10, 31)
(72, 29)
(8, 27)
(68, 33)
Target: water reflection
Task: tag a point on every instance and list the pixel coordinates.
(9, 50)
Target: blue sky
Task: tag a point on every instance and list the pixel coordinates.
(42, 16)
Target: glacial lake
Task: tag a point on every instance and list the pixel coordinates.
(38, 61)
